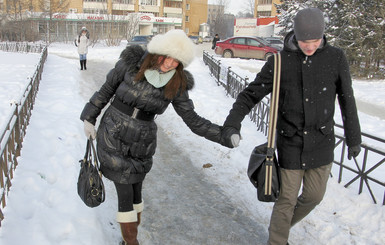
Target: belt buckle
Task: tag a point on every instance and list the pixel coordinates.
(135, 113)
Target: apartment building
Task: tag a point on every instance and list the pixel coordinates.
(155, 16)
(265, 8)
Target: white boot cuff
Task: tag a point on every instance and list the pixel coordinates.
(139, 207)
(127, 217)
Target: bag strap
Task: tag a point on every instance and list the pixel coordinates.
(272, 124)
(274, 98)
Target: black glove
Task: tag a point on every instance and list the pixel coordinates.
(353, 151)
(230, 137)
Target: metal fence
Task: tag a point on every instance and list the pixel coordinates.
(24, 47)
(11, 136)
(360, 173)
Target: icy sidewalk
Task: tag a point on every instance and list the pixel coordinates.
(43, 208)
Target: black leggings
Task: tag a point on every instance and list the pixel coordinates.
(128, 195)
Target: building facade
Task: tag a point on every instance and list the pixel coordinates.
(265, 8)
(154, 16)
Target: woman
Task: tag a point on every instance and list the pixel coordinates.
(82, 42)
(143, 84)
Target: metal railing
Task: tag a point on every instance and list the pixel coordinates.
(15, 127)
(361, 172)
(24, 47)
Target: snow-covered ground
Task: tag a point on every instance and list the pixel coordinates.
(43, 206)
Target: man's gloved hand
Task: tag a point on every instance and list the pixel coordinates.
(230, 137)
(89, 130)
(353, 151)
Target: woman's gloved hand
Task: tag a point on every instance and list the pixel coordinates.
(89, 130)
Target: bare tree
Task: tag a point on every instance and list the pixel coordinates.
(132, 25)
(218, 25)
(249, 8)
(49, 8)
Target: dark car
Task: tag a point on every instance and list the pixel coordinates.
(245, 47)
(141, 40)
(196, 39)
(275, 41)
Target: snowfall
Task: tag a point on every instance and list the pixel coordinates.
(43, 206)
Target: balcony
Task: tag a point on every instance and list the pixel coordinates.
(149, 8)
(169, 10)
(122, 6)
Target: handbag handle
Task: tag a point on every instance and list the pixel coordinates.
(91, 154)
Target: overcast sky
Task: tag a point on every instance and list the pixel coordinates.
(234, 6)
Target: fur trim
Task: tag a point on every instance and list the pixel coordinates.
(127, 217)
(190, 80)
(174, 43)
(132, 56)
(139, 207)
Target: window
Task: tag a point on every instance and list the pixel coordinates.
(187, 18)
(264, 1)
(124, 1)
(239, 41)
(148, 2)
(253, 42)
(187, 6)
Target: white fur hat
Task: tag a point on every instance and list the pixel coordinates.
(175, 44)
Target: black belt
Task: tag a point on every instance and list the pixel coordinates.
(132, 111)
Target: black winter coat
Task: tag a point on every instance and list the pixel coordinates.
(309, 85)
(126, 145)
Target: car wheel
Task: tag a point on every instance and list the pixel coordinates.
(227, 54)
(267, 55)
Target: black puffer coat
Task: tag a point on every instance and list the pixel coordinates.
(126, 145)
(309, 85)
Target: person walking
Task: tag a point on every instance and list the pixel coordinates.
(313, 74)
(141, 86)
(82, 42)
(215, 40)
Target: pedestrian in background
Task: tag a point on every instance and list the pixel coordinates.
(215, 40)
(142, 84)
(82, 42)
(313, 74)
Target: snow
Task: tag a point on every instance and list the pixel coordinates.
(44, 208)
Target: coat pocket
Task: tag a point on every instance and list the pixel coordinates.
(327, 128)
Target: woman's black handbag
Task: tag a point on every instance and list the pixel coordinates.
(263, 169)
(90, 183)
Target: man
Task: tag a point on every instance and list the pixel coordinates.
(215, 40)
(313, 74)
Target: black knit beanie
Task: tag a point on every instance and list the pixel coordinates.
(309, 24)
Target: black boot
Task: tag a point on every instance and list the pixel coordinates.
(81, 64)
(85, 64)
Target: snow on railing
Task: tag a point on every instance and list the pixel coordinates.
(15, 126)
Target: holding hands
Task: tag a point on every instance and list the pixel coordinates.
(230, 137)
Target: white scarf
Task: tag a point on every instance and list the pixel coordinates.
(157, 79)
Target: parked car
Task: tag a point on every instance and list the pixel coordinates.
(141, 40)
(245, 47)
(196, 39)
(276, 41)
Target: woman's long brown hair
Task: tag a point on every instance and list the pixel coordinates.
(177, 83)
